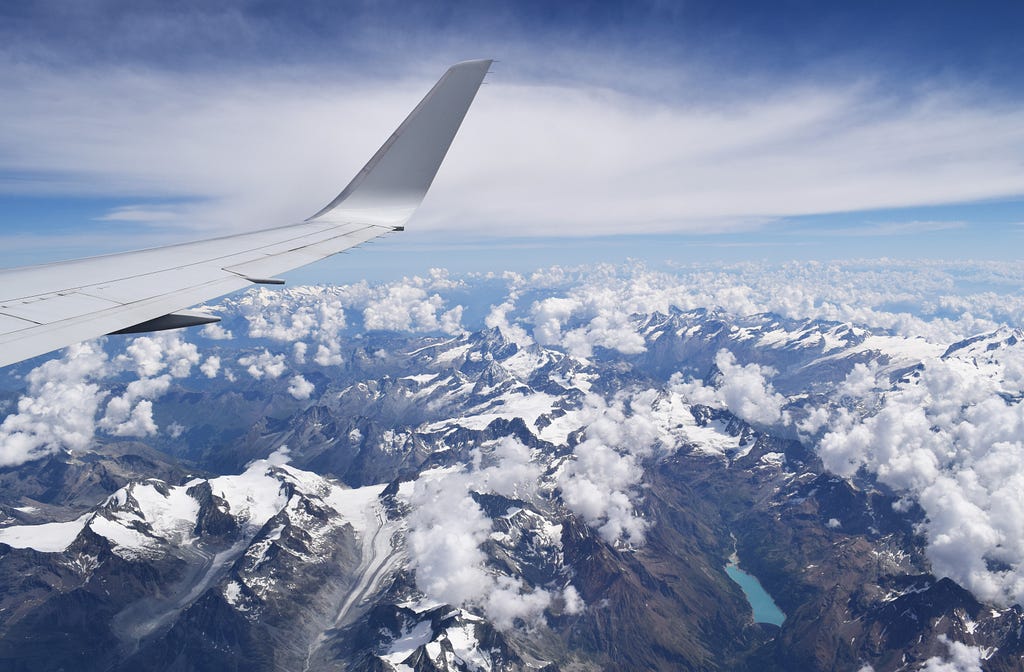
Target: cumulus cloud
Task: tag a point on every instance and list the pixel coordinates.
(149, 355)
(816, 419)
(599, 482)
(447, 528)
(913, 299)
(300, 388)
(746, 391)
(131, 414)
(548, 317)
(280, 456)
(139, 422)
(314, 319)
(216, 332)
(298, 315)
(861, 380)
(603, 319)
(497, 318)
(573, 603)
(272, 318)
(408, 308)
(951, 439)
(743, 389)
(327, 356)
(210, 366)
(58, 412)
(64, 397)
(263, 365)
(962, 658)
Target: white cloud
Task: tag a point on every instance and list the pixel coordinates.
(861, 380)
(131, 414)
(134, 213)
(64, 396)
(723, 165)
(573, 602)
(59, 409)
(145, 353)
(600, 482)
(149, 355)
(746, 391)
(950, 441)
(138, 423)
(954, 443)
(410, 308)
(313, 319)
(263, 365)
(962, 658)
(498, 318)
(548, 317)
(211, 366)
(280, 457)
(816, 419)
(270, 317)
(447, 528)
(217, 332)
(743, 389)
(604, 315)
(300, 388)
(911, 299)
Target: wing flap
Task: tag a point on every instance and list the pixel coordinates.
(141, 287)
(9, 323)
(56, 307)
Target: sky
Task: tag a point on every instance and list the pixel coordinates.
(673, 132)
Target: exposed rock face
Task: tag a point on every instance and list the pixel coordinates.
(303, 560)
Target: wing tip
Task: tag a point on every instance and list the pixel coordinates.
(479, 63)
(392, 184)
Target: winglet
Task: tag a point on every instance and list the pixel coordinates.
(392, 185)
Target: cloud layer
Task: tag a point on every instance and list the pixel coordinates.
(534, 158)
(947, 436)
(59, 411)
(951, 439)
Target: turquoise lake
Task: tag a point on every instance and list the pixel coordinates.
(765, 609)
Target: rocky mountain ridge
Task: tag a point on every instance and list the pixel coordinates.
(307, 557)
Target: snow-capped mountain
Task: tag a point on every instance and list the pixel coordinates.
(484, 501)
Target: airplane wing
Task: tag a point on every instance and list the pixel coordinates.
(53, 305)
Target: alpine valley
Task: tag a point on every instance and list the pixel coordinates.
(526, 473)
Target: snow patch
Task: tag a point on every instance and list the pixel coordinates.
(46, 537)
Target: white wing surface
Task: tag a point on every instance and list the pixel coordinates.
(46, 307)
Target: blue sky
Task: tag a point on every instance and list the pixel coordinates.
(685, 132)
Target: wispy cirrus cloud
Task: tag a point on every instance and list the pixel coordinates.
(260, 148)
(885, 229)
(141, 214)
